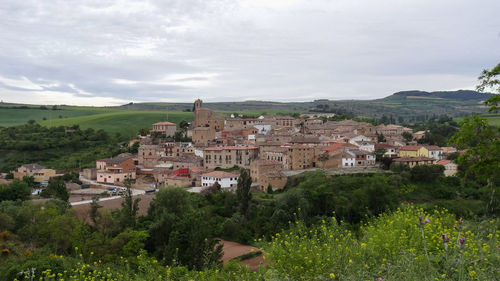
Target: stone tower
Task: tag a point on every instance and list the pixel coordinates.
(197, 104)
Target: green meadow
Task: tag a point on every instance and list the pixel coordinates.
(493, 119)
(125, 122)
(13, 116)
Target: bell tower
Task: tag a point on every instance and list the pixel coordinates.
(197, 104)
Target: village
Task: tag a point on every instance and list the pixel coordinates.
(272, 148)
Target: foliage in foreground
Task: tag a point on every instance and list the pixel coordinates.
(408, 244)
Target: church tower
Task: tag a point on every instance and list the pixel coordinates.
(197, 104)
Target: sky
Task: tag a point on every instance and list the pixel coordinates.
(112, 52)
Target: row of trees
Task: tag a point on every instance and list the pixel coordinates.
(61, 148)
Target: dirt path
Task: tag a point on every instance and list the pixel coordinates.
(234, 249)
(82, 211)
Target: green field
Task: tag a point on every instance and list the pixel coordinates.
(493, 119)
(113, 120)
(125, 122)
(11, 117)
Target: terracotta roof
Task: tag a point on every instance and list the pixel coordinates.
(443, 162)
(165, 123)
(411, 147)
(196, 169)
(219, 174)
(337, 146)
(220, 148)
(432, 147)
(384, 145)
(413, 159)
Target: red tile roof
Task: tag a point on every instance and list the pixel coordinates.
(411, 147)
(413, 159)
(333, 147)
(384, 145)
(443, 162)
(165, 123)
(433, 147)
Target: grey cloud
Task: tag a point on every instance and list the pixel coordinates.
(290, 50)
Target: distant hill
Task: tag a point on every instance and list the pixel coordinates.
(461, 95)
(405, 106)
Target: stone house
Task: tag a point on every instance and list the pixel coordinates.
(413, 151)
(167, 128)
(414, 161)
(38, 172)
(229, 156)
(450, 168)
(116, 170)
(201, 136)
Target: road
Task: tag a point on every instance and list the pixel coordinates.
(135, 192)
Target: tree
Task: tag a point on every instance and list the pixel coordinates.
(243, 191)
(180, 233)
(135, 147)
(29, 180)
(379, 153)
(381, 138)
(17, 190)
(56, 188)
(183, 125)
(130, 207)
(490, 79)
(94, 209)
(407, 136)
(480, 162)
(426, 173)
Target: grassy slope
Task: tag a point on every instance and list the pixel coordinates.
(125, 122)
(12, 117)
(493, 119)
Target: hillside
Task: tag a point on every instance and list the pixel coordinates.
(406, 106)
(125, 122)
(409, 105)
(460, 95)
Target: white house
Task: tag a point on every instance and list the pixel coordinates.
(225, 179)
(359, 138)
(390, 150)
(198, 152)
(435, 152)
(348, 160)
(263, 128)
(365, 145)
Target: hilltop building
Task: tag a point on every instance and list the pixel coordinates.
(204, 117)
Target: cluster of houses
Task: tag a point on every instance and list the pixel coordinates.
(268, 146)
(40, 174)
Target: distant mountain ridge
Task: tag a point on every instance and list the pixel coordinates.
(462, 95)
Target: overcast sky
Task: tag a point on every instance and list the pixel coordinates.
(110, 52)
